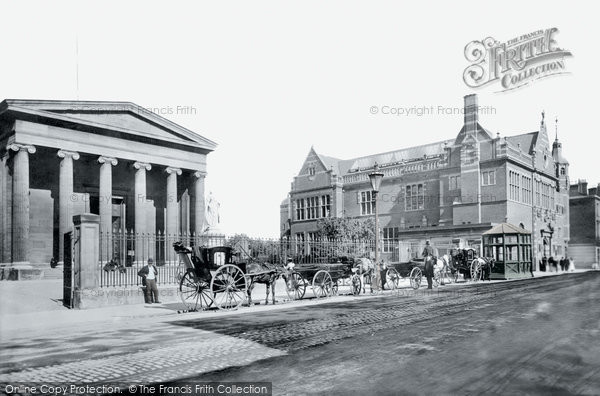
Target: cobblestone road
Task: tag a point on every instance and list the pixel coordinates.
(536, 336)
(458, 334)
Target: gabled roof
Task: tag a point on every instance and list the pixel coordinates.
(329, 162)
(390, 157)
(526, 140)
(506, 228)
(481, 131)
(121, 117)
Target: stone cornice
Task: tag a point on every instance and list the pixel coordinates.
(52, 110)
(98, 145)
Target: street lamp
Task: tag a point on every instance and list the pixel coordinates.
(375, 178)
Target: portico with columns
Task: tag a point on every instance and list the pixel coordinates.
(138, 171)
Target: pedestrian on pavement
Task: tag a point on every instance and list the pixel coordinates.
(382, 273)
(543, 264)
(562, 264)
(553, 264)
(149, 274)
(571, 264)
(428, 261)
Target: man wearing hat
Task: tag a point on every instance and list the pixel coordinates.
(428, 253)
(149, 274)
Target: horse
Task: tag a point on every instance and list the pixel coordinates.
(486, 265)
(264, 273)
(365, 269)
(442, 266)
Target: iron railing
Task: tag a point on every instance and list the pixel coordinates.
(123, 254)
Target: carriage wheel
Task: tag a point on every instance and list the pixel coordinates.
(476, 270)
(194, 292)
(415, 278)
(392, 278)
(229, 287)
(295, 286)
(322, 284)
(356, 284)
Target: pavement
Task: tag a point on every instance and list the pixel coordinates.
(40, 340)
(40, 301)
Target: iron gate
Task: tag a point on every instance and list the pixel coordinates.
(68, 271)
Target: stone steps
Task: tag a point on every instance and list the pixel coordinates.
(53, 273)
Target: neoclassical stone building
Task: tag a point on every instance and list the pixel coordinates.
(450, 192)
(136, 170)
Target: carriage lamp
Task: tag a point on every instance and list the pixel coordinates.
(375, 177)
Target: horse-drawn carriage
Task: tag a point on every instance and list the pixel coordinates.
(447, 268)
(466, 262)
(209, 276)
(327, 279)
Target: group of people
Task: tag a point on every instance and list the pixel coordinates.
(551, 264)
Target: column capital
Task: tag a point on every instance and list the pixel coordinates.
(142, 165)
(67, 153)
(18, 147)
(200, 174)
(170, 170)
(110, 160)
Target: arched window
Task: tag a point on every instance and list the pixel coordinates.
(562, 171)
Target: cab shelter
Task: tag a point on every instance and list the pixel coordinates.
(510, 247)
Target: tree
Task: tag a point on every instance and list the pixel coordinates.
(346, 228)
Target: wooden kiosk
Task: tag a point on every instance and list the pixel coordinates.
(510, 247)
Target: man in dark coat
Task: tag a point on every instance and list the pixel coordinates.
(428, 257)
(149, 274)
(552, 264)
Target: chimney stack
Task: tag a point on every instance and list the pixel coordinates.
(582, 187)
(471, 113)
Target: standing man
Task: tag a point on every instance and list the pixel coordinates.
(149, 273)
(552, 264)
(428, 261)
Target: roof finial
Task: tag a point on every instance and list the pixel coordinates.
(556, 129)
(543, 116)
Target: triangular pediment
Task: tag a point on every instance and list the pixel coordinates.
(123, 117)
(128, 121)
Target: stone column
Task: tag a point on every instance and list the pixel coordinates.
(20, 202)
(6, 210)
(140, 196)
(199, 204)
(105, 209)
(65, 197)
(140, 224)
(172, 208)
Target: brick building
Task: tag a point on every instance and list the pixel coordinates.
(449, 191)
(584, 205)
(135, 169)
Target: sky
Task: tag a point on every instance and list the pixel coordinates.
(267, 80)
